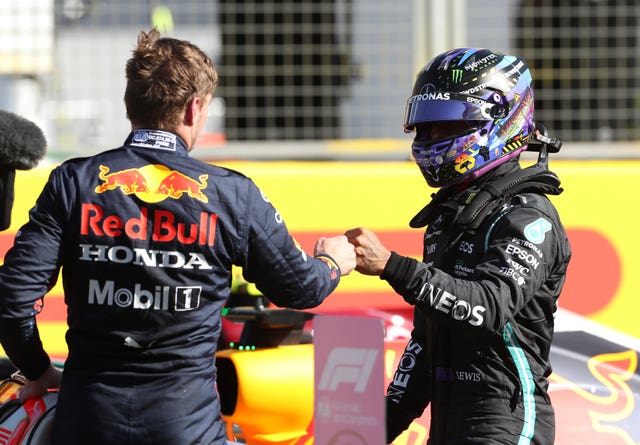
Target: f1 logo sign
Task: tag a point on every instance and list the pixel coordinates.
(348, 355)
(348, 365)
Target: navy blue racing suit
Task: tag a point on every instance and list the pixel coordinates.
(146, 237)
(483, 322)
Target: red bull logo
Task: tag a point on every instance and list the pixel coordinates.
(333, 267)
(152, 183)
(599, 405)
(129, 181)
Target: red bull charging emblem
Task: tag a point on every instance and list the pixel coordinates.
(597, 397)
(152, 183)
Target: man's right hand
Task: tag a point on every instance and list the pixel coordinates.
(339, 249)
(372, 256)
(35, 388)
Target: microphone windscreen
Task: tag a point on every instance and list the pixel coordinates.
(7, 179)
(22, 143)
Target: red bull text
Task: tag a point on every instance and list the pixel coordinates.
(156, 225)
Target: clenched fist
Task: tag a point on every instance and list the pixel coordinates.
(371, 255)
(338, 248)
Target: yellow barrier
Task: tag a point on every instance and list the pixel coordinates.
(325, 198)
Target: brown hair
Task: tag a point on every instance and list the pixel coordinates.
(163, 75)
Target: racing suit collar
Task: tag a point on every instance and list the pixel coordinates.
(156, 140)
(472, 204)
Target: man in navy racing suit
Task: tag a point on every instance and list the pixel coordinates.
(146, 237)
(494, 263)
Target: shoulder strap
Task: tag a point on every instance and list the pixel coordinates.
(474, 205)
(532, 179)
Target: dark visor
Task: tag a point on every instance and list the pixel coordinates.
(456, 107)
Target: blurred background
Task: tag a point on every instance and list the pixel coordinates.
(298, 74)
(308, 84)
(305, 83)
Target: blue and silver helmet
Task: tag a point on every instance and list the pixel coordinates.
(490, 93)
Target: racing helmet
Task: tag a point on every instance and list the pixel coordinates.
(488, 98)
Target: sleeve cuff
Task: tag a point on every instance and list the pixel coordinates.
(21, 342)
(399, 269)
(331, 264)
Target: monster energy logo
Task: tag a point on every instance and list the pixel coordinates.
(456, 76)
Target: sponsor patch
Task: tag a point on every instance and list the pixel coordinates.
(535, 231)
(333, 267)
(152, 183)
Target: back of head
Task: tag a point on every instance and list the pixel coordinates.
(163, 75)
(489, 97)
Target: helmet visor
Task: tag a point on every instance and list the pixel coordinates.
(430, 107)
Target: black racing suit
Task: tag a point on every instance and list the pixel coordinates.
(146, 237)
(483, 322)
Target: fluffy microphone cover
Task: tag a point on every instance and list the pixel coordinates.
(22, 143)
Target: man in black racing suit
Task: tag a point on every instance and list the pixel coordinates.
(146, 237)
(495, 259)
